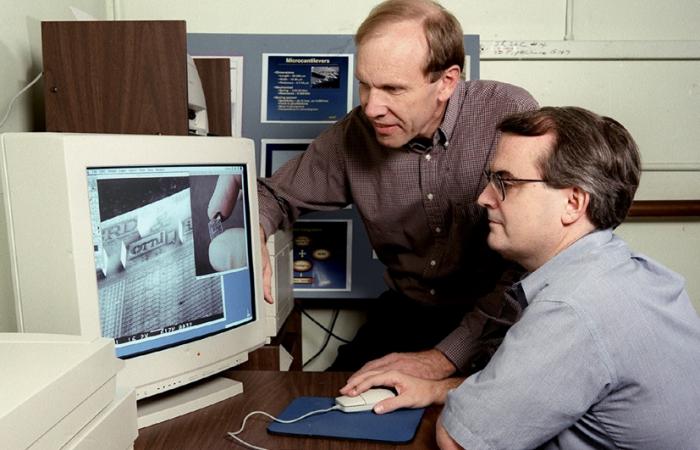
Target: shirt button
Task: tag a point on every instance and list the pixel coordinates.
(438, 229)
(447, 143)
(428, 157)
(430, 196)
(432, 262)
(432, 292)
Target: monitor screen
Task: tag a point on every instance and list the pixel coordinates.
(152, 238)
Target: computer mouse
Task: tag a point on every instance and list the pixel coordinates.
(364, 401)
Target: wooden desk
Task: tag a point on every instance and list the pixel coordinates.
(268, 391)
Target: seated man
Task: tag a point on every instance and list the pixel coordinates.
(607, 350)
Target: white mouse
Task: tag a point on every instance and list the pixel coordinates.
(364, 401)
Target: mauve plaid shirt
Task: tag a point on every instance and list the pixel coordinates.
(418, 204)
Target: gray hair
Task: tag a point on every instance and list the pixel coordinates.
(592, 152)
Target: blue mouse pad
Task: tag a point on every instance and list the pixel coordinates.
(398, 426)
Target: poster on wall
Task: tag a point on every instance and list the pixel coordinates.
(322, 255)
(276, 152)
(305, 88)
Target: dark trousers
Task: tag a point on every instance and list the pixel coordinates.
(396, 323)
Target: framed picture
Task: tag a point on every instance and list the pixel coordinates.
(322, 258)
(312, 88)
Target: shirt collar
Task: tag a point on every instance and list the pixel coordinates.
(534, 282)
(446, 127)
(424, 144)
(420, 144)
(449, 120)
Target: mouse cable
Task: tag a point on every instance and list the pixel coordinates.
(9, 108)
(234, 434)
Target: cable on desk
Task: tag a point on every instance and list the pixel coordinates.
(234, 434)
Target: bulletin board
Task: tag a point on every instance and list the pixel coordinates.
(294, 86)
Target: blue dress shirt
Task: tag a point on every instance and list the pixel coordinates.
(606, 355)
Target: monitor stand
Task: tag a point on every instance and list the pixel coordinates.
(186, 399)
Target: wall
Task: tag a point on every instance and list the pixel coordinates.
(20, 56)
(20, 53)
(652, 87)
(657, 98)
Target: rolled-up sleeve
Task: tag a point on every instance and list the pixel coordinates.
(313, 181)
(475, 340)
(461, 345)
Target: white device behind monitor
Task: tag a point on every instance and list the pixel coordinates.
(280, 247)
(196, 102)
(54, 270)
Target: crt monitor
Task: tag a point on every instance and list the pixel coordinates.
(149, 240)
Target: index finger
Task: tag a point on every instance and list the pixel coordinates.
(376, 365)
(351, 387)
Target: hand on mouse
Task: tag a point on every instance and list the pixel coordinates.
(412, 392)
(428, 365)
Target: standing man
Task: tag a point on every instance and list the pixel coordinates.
(607, 351)
(410, 159)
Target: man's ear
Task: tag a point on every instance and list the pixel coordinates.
(576, 205)
(449, 79)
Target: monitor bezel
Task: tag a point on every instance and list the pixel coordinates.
(66, 157)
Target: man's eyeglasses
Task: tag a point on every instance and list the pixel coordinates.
(501, 183)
